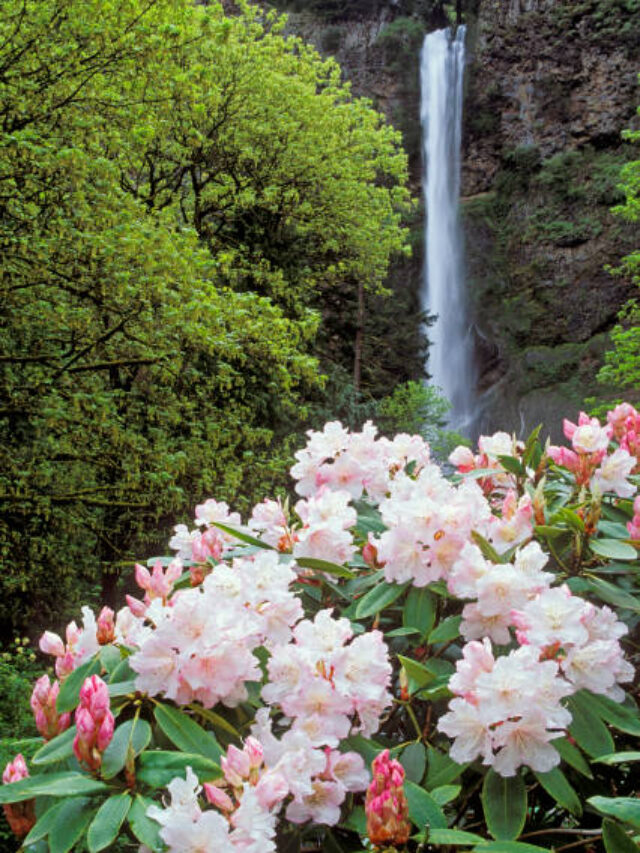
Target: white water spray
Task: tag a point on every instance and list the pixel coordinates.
(451, 357)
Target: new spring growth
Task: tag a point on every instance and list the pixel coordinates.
(386, 805)
(43, 704)
(21, 817)
(94, 723)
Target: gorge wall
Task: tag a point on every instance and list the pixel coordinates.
(550, 86)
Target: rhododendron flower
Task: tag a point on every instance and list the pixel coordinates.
(611, 475)
(80, 646)
(633, 526)
(588, 435)
(21, 817)
(43, 704)
(386, 805)
(94, 723)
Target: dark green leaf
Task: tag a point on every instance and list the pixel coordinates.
(105, 826)
(445, 794)
(612, 594)
(368, 749)
(488, 551)
(504, 801)
(57, 749)
(419, 611)
(626, 809)
(453, 837)
(70, 824)
(619, 758)
(512, 465)
(509, 847)
(129, 739)
(378, 598)
(147, 831)
(625, 718)
(572, 755)
(324, 566)
(424, 812)
(157, 767)
(414, 761)
(556, 785)
(122, 672)
(417, 673)
(447, 630)
(185, 733)
(242, 535)
(110, 657)
(44, 824)
(441, 768)
(50, 785)
(587, 729)
(69, 694)
(616, 839)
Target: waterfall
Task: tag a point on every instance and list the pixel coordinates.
(450, 353)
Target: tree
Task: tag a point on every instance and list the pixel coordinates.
(175, 188)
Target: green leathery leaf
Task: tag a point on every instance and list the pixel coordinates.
(624, 717)
(242, 535)
(447, 630)
(57, 749)
(65, 784)
(419, 611)
(105, 826)
(70, 824)
(453, 837)
(612, 594)
(44, 824)
(619, 758)
(572, 755)
(424, 812)
(128, 741)
(441, 769)
(613, 549)
(557, 786)
(378, 598)
(185, 733)
(414, 761)
(504, 801)
(158, 767)
(417, 673)
(445, 793)
(146, 830)
(615, 839)
(626, 809)
(586, 727)
(325, 566)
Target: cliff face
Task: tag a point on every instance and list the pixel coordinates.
(550, 86)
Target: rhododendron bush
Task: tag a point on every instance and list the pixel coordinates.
(401, 658)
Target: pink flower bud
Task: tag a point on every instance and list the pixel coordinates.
(15, 770)
(136, 607)
(94, 723)
(51, 644)
(106, 629)
(271, 789)
(386, 806)
(142, 576)
(21, 817)
(253, 748)
(105, 732)
(217, 797)
(235, 766)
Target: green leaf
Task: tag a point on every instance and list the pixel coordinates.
(110, 657)
(325, 566)
(613, 529)
(454, 837)
(419, 611)
(242, 535)
(417, 673)
(447, 630)
(613, 549)
(414, 761)
(369, 519)
(570, 518)
(146, 830)
(128, 741)
(70, 824)
(121, 688)
(626, 809)
(50, 785)
(105, 826)
(44, 824)
(57, 749)
(378, 598)
(612, 594)
(557, 786)
(185, 733)
(618, 758)
(616, 839)
(423, 810)
(488, 551)
(587, 729)
(69, 694)
(532, 444)
(442, 769)
(623, 717)
(356, 821)
(512, 465)
(445, 794)
(509, 847)
(572, 755)
(504, 801)
(218, 721)
(158, 767)
(122, 672)
(368, 749)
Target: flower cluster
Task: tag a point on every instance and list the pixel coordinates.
(322, 684)
(490, 449)
(80, 646)
(201, 647)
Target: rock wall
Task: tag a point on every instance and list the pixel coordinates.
(550, 86)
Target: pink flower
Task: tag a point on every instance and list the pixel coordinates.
(43, 703)
(106, 632)
(94, 723)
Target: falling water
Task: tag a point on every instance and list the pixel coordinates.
(450, 359)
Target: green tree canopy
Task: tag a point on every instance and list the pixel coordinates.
(177, 189)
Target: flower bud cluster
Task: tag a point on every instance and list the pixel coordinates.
(94, 723)
(21, 817)
(386, 805)
(208, 544)
(80, 646)
(43, 704)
